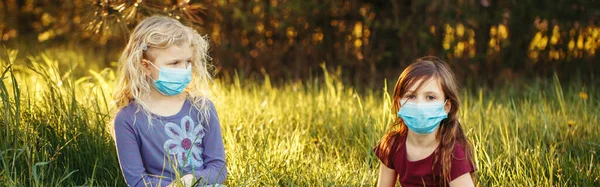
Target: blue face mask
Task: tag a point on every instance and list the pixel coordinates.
(172, 81)
(422, 118)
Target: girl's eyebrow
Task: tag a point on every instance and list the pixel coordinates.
(426, 93)
(432, 93)
(175, 59)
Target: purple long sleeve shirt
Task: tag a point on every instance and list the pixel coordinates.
(149, 155)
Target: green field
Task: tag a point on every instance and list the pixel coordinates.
(55, 124)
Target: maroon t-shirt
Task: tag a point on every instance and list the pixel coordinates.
(421, 173)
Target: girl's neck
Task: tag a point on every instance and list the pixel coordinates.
(157, 98)
(162, 105)
(422, 140)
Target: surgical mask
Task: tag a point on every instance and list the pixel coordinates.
(172, 81)
(422, 118)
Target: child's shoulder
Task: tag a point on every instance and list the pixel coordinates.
(126, 112)
(459, 151)
(389, 146)
(462, 162)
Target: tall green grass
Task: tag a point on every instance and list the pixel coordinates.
(55, 128)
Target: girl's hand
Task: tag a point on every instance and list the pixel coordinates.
(186, 180)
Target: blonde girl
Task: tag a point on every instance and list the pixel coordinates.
(165, 125)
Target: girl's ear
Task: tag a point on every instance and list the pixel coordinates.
(447, 106)
(147, 66)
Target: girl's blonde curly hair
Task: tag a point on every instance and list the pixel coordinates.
(162, 32)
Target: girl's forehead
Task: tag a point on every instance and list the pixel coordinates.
(428, 85)
(173, 52)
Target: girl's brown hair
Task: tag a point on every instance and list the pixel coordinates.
(450, 131)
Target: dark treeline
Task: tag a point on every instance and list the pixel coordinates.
(486, 40)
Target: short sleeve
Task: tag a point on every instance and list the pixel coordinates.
(460, 163)
(384, 150)
(379, 153)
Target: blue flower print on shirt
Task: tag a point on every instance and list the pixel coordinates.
(185, 143)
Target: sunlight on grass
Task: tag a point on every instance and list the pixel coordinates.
(55, 130)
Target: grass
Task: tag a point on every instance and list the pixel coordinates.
(55, 129)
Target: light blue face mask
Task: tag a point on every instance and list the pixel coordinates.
(172, 81)
(422, 118)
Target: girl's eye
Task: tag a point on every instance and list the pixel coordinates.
(430, 98)
(410, 96)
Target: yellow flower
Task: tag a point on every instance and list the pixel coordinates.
(502, 31)
(583, 95)
(460, 30)
(571, 44)
(571, 123)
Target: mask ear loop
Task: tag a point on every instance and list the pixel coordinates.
(147, 61)
(445, 106)
(144, 48)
